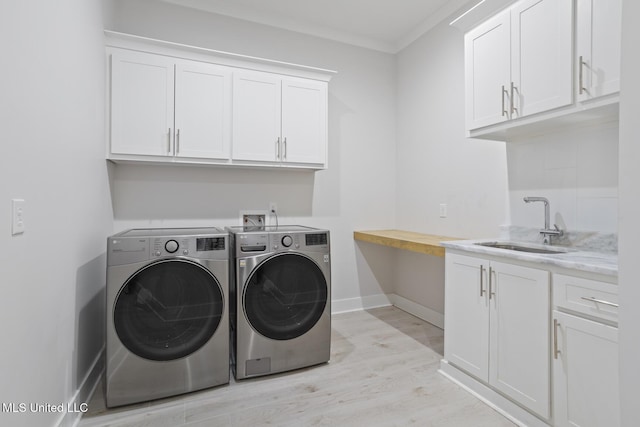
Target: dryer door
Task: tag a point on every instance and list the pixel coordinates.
(285, 296)
(168, 310)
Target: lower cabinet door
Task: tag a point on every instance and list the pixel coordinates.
(519, 356)
(585, 372)
(466, 343)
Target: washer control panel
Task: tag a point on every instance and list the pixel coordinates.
(197, 247)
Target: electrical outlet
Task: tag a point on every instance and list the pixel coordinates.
(17, 220)
(273, 208)
(443, 210)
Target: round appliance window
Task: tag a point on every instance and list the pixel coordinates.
(168, 310)
(285, 296)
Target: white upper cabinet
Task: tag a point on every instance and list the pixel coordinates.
(162, 106)
(487, 75)
(541, 55)
(141, 104)
(519, 62)
(304, 121)
(180, 104)
(203, 110)
(598, 48)
(281, 119)
(256, 116)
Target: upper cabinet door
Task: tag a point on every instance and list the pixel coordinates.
(256, 116)
(541, 55)
(304, 121)
(598, 47)
(487, 75)
(203, 110)
(141, 103)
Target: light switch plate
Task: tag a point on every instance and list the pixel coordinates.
(17, 217)
(443, 210)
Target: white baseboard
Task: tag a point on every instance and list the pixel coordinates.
(81, 397)
(360, 303)
(418, 310)
(510, 410)
(385, 300)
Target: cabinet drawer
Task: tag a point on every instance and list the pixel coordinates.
(590, 297)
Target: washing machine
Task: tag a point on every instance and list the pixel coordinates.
(280, 299)
(167, 326)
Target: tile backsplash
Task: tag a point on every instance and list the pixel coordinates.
(576, 169)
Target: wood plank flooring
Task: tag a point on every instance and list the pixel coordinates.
(383, 372)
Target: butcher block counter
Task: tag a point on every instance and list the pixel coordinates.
(408, 240)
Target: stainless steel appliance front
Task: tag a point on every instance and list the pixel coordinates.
(281, 298)
(167, 324)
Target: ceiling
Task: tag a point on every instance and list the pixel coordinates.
(384, 25)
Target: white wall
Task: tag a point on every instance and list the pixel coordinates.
(576, 169)
(438, 164)
(629, 223)
(356, 192)
(53, 275)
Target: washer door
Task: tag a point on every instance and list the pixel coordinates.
(168, 310)
(285, 296)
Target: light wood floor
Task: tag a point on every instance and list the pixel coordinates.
(383, 372)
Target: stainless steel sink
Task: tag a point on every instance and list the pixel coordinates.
(523, 247)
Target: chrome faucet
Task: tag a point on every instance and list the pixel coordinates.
(546, 232)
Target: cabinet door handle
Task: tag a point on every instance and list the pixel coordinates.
(169, 141)
(177, 141)
(504, 112)
(581, 88)
(284, 157)
(600, 301)
(278, 149)
(492, 292)
(513, 108)
(482, 291)
(556, 350)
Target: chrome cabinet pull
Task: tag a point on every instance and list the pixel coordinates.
(600, 301)
(581, 88)
(169, 141)
(513, 108)
(482, 291)
(178, 141)
(278, 149)
(504, 112)
(285, 149)
(492, 292)
(556, 350)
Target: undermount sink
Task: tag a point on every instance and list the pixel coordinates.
(523, 247)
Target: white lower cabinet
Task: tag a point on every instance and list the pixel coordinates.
(585, 353)
(497, 327)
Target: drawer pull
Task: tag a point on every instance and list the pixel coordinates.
(599, 301)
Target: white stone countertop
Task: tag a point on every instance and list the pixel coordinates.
(599, 256)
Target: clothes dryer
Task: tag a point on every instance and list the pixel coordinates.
(281, 299)
(167, 326)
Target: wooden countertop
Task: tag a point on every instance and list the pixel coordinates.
(408, 240)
